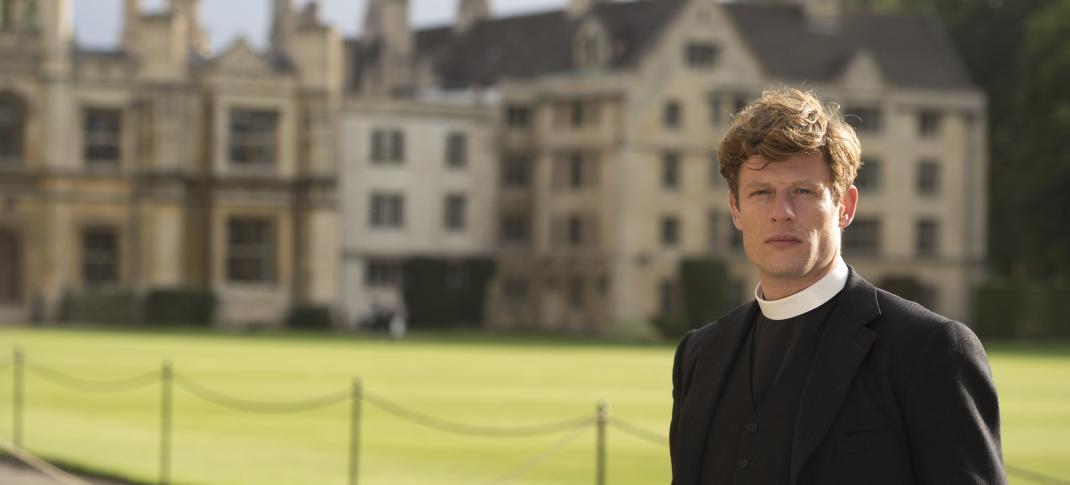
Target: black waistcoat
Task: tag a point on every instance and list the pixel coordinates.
(748, 442)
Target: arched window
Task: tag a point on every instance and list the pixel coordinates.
(12, 124)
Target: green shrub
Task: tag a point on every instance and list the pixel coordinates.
(446, 292)
(104, 305)
(180, 306)
(310, 317)
(707, 292)
(1020, 309)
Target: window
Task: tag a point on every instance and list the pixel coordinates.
(7, 14)
(670, 231)
(713, 232)
(576, 292)
(864, 119)
(869, 176)
(927, 237)
(929, 123)
(253, 137)
(575, 170)
(739, 102)
(518, 116)
(454, 217)
(575, 114)
(102, 137)
(717, 111)
(12, 119)
(670, 170)
(387, 146)
(575, 231)
(516, 291)
(715, 170)
(10, 271)
(380, 273)
(100, 255)
(671, 115)
(701, 55)
(387, 210)
(516, 171)
(250, 250)
(928, 177)
(863, 237)
(665, 297)
(515, 228)
(457, 150)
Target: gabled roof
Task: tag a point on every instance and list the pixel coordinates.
(529, 45)
(912, 50)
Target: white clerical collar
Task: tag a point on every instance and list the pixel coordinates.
(812, 297)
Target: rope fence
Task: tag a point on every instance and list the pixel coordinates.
(570, 429)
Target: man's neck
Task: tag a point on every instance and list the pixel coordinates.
(775, 289)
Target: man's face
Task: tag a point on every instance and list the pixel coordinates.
(790, 220)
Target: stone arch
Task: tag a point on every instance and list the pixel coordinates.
(13, 116)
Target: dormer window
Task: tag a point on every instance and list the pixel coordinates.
(591, 47)
(701, 55)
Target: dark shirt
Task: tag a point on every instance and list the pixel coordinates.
(749, 440)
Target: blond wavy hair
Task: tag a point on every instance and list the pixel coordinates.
(786, 122)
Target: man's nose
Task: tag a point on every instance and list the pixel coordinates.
(783, 210)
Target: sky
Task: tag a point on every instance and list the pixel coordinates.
(97, 23)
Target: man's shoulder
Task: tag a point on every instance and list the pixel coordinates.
(736, 316)
(912, 321)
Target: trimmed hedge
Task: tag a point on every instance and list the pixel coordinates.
(1016, 309)
(180, 306)
(446, 292)
(310, 317)
(707, 292)
(116, 305)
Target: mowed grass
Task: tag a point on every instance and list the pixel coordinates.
(491, 381)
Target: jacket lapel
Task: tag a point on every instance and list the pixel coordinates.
(713, 361)
(844, 343)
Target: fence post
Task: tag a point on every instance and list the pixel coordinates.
(600, 417)
(167, 379)
(354, 431)
(19, 369)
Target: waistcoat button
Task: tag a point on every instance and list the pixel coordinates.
(752, 427)
(742, 463)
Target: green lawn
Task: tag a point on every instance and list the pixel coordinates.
(497, 381)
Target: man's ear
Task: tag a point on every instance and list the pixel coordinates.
(848, 204)
(733, 203)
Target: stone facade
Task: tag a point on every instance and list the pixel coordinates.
(609, 113)
(158, 166)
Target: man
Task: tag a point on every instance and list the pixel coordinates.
(823, 379)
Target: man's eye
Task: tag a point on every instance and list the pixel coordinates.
(804, 191)
(761, 192)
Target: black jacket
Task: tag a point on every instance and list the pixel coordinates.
(896, 395)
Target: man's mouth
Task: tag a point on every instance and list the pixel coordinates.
(783, 241)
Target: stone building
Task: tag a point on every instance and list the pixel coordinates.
(157, 165)
(607, 116)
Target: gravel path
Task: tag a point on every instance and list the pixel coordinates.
(14, 472)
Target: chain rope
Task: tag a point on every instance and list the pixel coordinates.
(544, 455)
(429, 421)
(94, 386)
(262, 407)
(638, 432)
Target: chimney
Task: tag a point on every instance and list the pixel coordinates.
(131, 18)
(283, 26)
(469, 13)
(188, 14)
(823, 15)
(386, 25)
(579, 8)
(58, 33)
